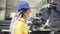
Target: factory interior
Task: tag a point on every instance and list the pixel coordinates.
(44, 17)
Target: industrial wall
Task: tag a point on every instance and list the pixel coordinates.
(2, 9)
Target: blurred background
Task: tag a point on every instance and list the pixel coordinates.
(39, 8)
(8, 6)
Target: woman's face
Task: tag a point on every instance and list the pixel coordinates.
(27, 13)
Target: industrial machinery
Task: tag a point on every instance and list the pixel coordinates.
(48, 18)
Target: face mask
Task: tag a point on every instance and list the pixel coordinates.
(29, 17)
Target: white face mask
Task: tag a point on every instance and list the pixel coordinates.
(29, 17)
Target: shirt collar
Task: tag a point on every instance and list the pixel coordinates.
(22, 19)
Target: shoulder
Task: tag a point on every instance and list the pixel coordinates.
(19, 22)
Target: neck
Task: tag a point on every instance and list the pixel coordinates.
(24, 18)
